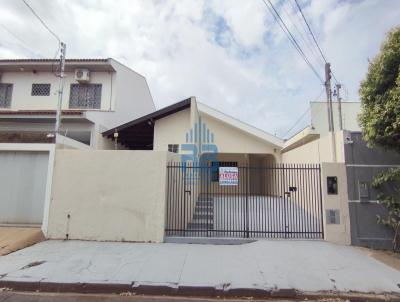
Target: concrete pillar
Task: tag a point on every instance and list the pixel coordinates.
(335, 204)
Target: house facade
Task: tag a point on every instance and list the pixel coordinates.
(98, 94)
(190, 127)
(140, 189)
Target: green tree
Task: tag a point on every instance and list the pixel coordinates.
(380, 96)
(380, 118)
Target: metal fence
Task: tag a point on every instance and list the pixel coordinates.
(275, 201)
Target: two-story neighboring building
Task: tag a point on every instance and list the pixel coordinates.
(98, 94)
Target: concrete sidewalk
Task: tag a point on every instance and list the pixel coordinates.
(269, 265)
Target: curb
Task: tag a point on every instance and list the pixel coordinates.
(188, 291)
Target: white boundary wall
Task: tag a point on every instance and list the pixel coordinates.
(317, 151)
(109, 195)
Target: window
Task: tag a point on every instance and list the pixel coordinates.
(173, 148)
(215, 168)
(40, 89)
(85, 96)
(5, 95)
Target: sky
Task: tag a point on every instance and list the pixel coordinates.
(230, 54)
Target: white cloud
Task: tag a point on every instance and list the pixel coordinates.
(230, 54)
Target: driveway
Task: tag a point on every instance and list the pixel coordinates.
(306, 266)
(268, 216)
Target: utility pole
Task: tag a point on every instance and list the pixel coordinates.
(330, 109)
(60, 88)
(339, 100)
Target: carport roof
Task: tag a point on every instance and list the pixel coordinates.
(151, 117)
(138, 134)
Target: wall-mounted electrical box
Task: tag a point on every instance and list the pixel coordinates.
(332, 216)
(332, 185)
(363, 191)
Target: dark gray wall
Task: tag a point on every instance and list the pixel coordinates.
(363, 164)
(357, 152)
(365, 231)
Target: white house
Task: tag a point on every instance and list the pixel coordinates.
(169, 183)
(191, 122)
(98, 95)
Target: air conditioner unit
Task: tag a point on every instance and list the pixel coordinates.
(82, 75)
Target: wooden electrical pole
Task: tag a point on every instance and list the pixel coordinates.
(339, 100)
(61, 87)
(330, 109)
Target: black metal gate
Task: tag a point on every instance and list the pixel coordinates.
(275, 201)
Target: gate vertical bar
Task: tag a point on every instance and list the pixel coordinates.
(184, 198)
(284, 200)
(247, 202)
(320, 202)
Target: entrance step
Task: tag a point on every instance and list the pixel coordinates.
(204, 216)
(205, 203)
(207, 225)
(205, 210)
(205, 198)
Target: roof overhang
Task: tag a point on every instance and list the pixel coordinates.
(151, 117)
(301, 138)
(139, 133)
(36, 115)
(21, 65)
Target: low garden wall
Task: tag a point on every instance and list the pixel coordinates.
(108, 195)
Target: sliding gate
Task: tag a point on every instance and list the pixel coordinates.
(276, 201)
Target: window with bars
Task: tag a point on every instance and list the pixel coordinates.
(85, 96)
(40, 89)
(5, 95)
(215, 168)
(173, 148)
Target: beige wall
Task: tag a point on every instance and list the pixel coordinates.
(336, 233)
(109, 195)
(229, 139)
(171, 130)
(316, 151)
(319, 116)
(22, 81)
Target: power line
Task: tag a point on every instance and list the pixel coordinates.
(23, 44)
(49, 30)
(302, 116)
(295, 124)
(290, 36)
(307, 39)
(313, 36)
(314, 58)
(311, 32)
(41, 21)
